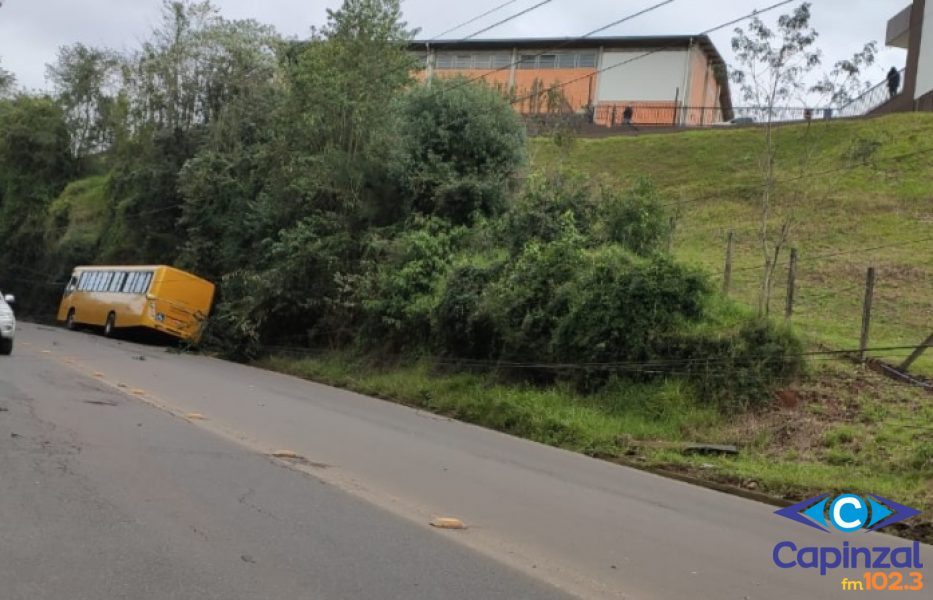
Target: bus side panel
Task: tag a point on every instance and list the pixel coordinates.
(92, 308)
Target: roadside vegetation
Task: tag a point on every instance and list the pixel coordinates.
(410, 242)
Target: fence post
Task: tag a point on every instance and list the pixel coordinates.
(928, 343)
(866, 311)
(672, 227)
(791, 284)
(727, 271)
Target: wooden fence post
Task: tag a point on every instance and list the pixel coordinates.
(727, 271)
(928, 343)
(672, 228)
(791, 284)
(866, 311)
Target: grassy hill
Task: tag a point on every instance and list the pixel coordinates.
(860, 194)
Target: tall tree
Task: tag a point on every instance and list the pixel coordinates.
(771, 72)
(7, 83)
(86, 82)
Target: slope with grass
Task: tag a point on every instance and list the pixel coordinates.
(858, 193)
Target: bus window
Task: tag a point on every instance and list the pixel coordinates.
(130, 282)
(143, 285)
(72, 285)
(117, 284)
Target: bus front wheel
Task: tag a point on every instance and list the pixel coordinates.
(111, 325)
(70, 320)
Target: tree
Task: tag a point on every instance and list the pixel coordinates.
(7, 83)
(845, 80)
(342, 87)
(461, 148)
(85, 81)
(35, 165)
(773, 69)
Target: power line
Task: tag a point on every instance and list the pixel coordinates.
(564, 44)
(507, 19)
(474, 19)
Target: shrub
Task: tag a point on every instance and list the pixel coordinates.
(528, 301)
(623, 308)
(636, 218)
(461, 146)
(738, 371)
(403, 279)
(463, 328)
(538, 212)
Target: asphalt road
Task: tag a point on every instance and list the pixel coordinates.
(111, 487)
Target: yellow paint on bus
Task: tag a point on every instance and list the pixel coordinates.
(160, 298)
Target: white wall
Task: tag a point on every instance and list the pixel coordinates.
(655, 77)
(925, 67)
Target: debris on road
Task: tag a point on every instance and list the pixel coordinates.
(447, 523)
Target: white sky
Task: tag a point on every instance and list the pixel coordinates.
(32, 30)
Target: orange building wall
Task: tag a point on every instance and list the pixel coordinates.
(703, 92)
(578, 93)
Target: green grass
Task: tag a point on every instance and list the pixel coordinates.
(852, 431)
(78, 215)
(595, 425)
(870, 199)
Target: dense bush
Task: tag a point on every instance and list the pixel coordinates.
(461, 146)
(462, 325)
(622, 308)
(538, 212)
(635, 218)
(403, 281)
(737, 370)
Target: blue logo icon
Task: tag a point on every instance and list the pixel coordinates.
(847, 513)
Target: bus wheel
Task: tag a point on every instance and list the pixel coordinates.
(110, 326)
(70, 320)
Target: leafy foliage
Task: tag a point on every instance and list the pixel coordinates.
(461, 148)
(338, 204)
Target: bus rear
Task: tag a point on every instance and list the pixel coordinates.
(179, 303)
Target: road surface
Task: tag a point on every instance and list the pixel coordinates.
(130, 472)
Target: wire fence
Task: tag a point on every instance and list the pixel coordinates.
(862, 297)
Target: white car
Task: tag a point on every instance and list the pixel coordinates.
(7, 325)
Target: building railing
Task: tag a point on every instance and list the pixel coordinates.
(871, 99)
(671, 115)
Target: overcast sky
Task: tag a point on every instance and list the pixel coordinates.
(32, 30)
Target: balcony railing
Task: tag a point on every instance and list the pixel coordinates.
(871, 99)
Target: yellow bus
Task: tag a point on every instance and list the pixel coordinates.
(160, 298)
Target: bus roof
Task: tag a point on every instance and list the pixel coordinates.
(138, 268)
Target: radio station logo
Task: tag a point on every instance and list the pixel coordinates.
(887, 568)
(848, 513)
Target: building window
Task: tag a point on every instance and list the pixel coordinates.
(482, 61)
(566, 61)
(502, 61)
(586, 60)
(463, 61)
(528, 61)
(444, 61)
(547, 61)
